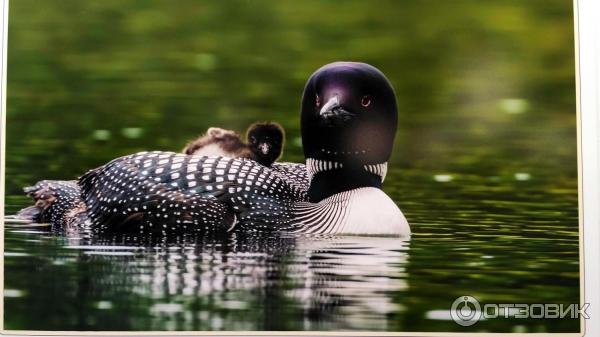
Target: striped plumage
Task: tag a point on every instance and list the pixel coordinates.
(314, 166)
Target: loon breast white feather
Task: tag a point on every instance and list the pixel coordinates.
(364, 210)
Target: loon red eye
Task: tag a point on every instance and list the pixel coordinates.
(365, 101)
(318, 101)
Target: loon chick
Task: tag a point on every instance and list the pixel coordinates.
(266, 140)
(348, 124)
(265, 143)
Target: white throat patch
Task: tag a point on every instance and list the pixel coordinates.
(313, 166)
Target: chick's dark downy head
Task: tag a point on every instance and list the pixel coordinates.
(266, 141)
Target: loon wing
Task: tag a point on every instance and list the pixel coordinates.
(165, 192)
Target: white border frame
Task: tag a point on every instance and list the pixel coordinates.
(588, 60)
(587, 54)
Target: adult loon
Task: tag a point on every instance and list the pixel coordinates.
(348, 123)
(265, 143)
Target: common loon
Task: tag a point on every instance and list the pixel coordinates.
(265, 143)
(348, 124)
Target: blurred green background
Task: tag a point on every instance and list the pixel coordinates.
(484, 166)
(483, 87)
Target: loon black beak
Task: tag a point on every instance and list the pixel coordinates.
(333, 112)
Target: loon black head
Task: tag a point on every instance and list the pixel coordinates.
(266, 141)
(349, 118)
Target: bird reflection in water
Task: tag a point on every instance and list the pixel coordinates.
(264, 282)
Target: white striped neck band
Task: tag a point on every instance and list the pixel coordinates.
(314, 166)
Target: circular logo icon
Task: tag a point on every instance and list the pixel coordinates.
(465, 310)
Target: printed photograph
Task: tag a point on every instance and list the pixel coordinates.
(291, 167)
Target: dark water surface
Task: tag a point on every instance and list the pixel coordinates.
(484, 166)
(518, 244)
